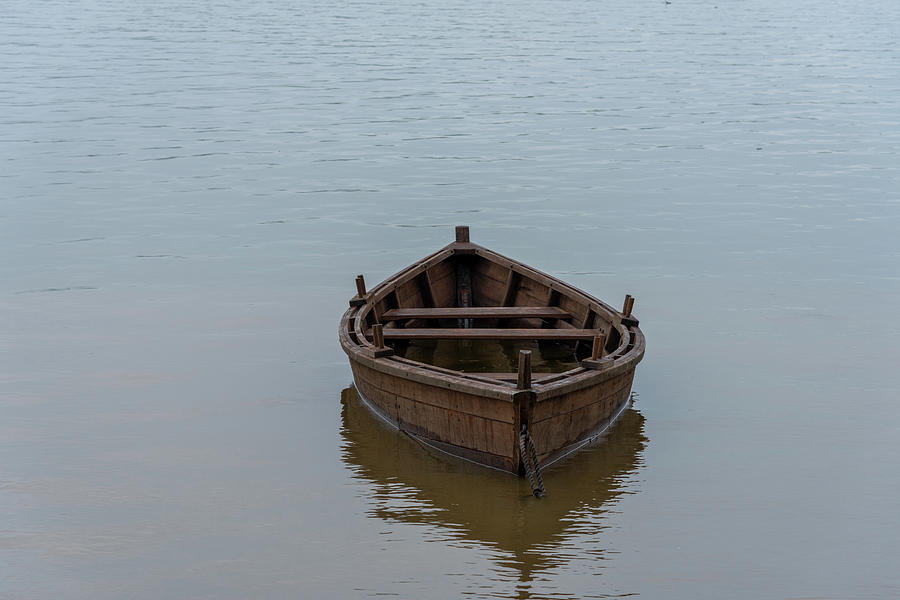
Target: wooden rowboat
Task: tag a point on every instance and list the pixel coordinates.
(515, 421)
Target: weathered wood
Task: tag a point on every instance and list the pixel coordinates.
(490, 334)
(383, 384)
(476, 312)
(424, 290)
(567, 429)
(462, 233)
(514, 376)
(509, 291)
(464, 289)
(442, 279)
(598, 364)
(524, 375)
(378, 334)
(478, 415)
(360, 298)
(380, 349)
(574, 401)
(376, 312)
(599, 343)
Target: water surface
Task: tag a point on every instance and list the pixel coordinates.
(189, 190)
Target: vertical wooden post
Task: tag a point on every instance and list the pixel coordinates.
(462, 233)
(629, 306)
(378, 339)
(524, 381)
(360, 298)
(625, 306)
(599, 343)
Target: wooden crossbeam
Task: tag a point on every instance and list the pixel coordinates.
(512, 376)
(477, 312)
(490, 334)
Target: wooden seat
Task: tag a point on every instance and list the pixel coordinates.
(477, 312)
(512, 376)
(489, 334)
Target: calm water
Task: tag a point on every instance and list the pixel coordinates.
(187, 190)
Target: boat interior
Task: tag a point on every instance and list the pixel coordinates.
(466, 302)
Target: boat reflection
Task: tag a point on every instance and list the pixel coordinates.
(413, 483)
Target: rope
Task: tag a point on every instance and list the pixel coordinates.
(530, 460)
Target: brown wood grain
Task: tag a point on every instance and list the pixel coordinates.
(476, 415)
(476, 312)
(490, 334)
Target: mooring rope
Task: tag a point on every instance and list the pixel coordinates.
(530, 460)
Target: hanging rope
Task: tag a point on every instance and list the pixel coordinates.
(530, 460)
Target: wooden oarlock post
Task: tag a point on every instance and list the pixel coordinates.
(524, 379)
(527, 452)
(627, 318)
(599, 343)
(462, 234)
(378, 339)
(378, 334)
(597, 360)
(360, 297)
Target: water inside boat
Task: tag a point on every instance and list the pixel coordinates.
(490, 356)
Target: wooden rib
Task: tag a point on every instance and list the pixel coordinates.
(509, 294)
(477, 312)
(586, 323)
(421, 280)
(490, 334)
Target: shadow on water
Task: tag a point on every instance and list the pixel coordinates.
(415, 484)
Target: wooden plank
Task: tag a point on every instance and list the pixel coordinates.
(568, 428)
(409, 294)
(477, 312)
(490, 270)
(574, 401)
(531, 293)
(490, 334)
(442, 279)
(378, 383)
(513, 376)
(454, 427)
(487, 291)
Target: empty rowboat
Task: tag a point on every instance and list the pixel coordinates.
(477, 303)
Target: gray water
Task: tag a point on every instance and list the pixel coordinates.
(188, 189)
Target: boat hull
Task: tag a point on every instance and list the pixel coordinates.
(485, 430)
(474, 416)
